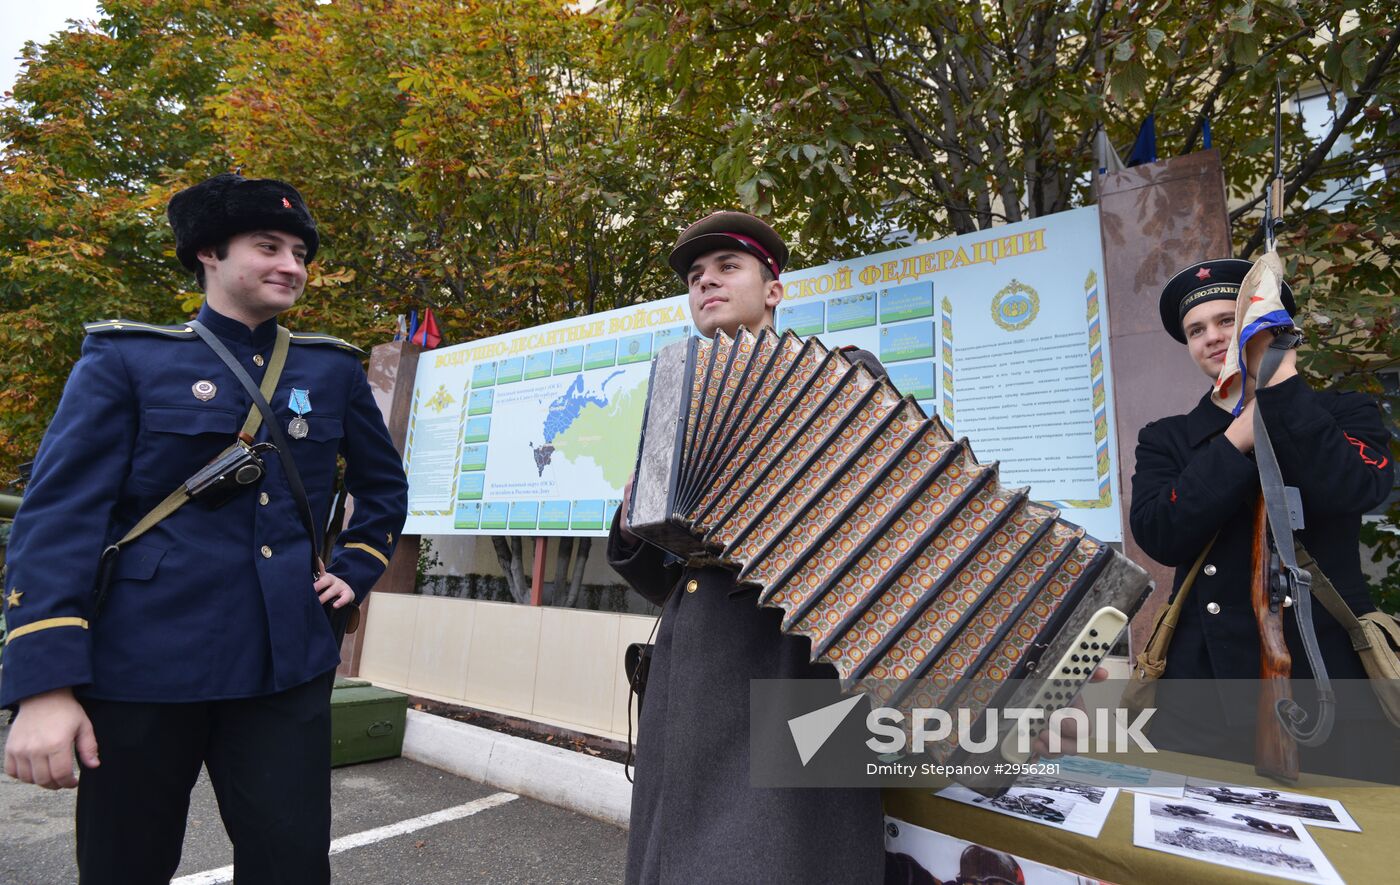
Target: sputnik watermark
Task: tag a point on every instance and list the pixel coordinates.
(1111, 729)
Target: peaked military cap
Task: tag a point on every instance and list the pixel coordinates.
(723, 230)
(217, 208)
(1213, 280)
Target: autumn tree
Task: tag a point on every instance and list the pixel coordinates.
(105, 121)
(486, 158)
(490, 159)
(852, 120)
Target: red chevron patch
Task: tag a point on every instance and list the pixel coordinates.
(1365, 453)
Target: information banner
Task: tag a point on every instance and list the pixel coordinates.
(534, 432)
(1002, 333)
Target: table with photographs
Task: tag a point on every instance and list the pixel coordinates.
(1371, 855)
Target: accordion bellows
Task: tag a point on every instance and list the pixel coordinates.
(882, 539)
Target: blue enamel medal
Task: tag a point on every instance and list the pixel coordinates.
(299, 402)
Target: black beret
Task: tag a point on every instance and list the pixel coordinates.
(1213, 280)
(724, 230)
(210, 212)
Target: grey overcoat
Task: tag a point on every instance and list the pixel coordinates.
(695, 816)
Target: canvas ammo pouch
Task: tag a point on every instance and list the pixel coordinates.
(1374, 635)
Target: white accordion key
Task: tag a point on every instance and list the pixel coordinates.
(1064, 680)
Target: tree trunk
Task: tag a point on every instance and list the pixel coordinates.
(576, 579)
(512, 566)
(561, 570)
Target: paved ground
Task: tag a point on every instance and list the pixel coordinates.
(517, 840)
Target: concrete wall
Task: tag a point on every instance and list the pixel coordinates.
(554, 665)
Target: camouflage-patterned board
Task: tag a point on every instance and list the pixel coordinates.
(902, 558)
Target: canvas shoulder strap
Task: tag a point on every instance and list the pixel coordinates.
(176, 499)
(284, 452)
(1152, 660)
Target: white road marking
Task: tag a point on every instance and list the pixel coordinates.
(369, 837)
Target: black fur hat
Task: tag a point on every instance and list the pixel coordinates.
(210, 212)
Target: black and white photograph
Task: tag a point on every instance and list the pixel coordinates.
(1078, 808)
(1087, 792)
(1272, 845)
(1226, 819)
(1312, 810)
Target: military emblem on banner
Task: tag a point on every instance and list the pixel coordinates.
(1016, 306)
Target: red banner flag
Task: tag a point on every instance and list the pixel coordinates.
(427, 334)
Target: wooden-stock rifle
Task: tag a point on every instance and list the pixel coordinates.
(1277, 580)
(1275, 751)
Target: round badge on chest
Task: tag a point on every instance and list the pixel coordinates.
(204, 390)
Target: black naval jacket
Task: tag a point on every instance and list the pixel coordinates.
(1191, 481)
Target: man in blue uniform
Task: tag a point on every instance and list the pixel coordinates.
(211, 646)
(1196, 479)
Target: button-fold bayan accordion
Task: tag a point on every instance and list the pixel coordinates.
(883, 540)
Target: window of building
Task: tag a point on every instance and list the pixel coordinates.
(1319, 115)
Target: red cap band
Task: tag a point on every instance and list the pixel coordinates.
(755, 246)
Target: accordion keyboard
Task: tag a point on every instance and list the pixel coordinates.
(1068, 675)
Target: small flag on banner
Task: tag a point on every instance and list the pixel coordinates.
(1145, 148)
(427, 335)
(1108, 159)
(401, 333)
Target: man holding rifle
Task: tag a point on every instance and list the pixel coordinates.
(1195, 492)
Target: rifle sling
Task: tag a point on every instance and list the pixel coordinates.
(1272, 487)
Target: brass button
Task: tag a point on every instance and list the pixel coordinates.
(263, 499)
(1209, 570)
(1213, 608)
(266, 552)
(691, 586)
(257, 359)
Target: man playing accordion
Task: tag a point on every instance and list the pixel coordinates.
(695, 814)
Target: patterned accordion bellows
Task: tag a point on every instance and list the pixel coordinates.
(906, 563)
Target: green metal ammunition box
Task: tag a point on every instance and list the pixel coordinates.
(366, 723)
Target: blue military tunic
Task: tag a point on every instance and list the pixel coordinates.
(211, 603)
